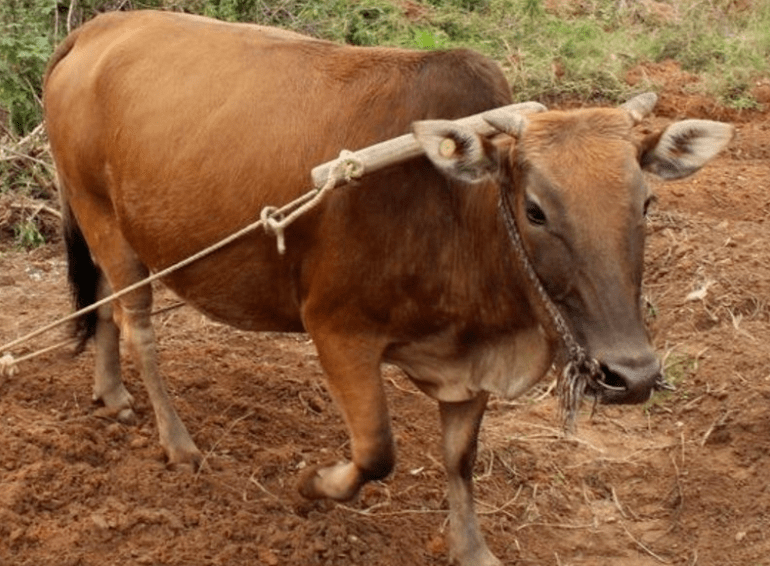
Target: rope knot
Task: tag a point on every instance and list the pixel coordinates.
(578, 372)
(8, 366)
(272, 223)
(275, 220)
(347, 166)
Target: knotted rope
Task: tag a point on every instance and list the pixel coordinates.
(579, 369)
(276, 220)
(8, 365)
(273, 219)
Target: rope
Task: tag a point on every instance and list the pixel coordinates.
(273, 219)
(579, 368)
(347, 166)
(8, 366)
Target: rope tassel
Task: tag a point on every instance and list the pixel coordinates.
(347, 166)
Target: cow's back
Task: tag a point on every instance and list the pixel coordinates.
(186, 127)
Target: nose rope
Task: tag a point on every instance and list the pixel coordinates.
(580, 368)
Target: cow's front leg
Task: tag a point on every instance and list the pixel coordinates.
(460, 428)
(352, 365)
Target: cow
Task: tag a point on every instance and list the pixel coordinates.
(171, 131)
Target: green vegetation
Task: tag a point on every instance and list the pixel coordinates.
(550, 49)
(25, 45)
(678, 368)
(28, 234)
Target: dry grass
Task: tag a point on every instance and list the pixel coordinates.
(29, 212)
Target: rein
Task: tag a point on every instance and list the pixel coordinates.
(580, 369)
(273, 219)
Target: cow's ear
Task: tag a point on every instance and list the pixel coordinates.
(458, 152)
(683, 147)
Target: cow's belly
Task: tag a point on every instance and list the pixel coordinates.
(506, 367)
(241, 287)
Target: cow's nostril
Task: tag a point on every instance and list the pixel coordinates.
(627, 382)
(611, 380)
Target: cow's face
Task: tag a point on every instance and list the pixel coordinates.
(579, 200)
(574, 184)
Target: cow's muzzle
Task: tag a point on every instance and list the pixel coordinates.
(628, 381)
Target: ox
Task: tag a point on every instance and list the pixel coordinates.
(172, 131)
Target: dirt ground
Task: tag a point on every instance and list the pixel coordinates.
(682, 480)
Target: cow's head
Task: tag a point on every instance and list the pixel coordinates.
(575, 183)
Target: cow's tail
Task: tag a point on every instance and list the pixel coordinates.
(82, 271)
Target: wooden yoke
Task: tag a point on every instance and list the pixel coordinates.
(405, 147)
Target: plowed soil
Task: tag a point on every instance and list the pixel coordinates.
(682, 480)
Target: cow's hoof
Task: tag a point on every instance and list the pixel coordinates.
(189, 460)
(485, 558)
(340, 482)
(125, 415)
(467, 547)
(118, 404)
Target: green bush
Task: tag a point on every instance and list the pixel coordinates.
(29, 31)
(579, 49)
(26, 43)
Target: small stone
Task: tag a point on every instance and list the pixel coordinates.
(267, 556)
(100, 521)
(437, 546)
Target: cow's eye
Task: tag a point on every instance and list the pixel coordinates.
(535, 214)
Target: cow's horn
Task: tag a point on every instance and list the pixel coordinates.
(510, 119)
(640, 106)
(511, 124)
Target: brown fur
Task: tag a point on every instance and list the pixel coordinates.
(170, 132)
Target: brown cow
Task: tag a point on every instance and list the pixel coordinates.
(171, 131)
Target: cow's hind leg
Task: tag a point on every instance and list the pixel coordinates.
(108, 385)
(460, 424)
(89, 285)
(136, 324)
(352, 366)
(132, 315)
(99, 259)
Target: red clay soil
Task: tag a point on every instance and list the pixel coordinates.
(682, 480)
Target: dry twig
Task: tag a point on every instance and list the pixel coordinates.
(641, 545)
(37, 207)
(219, 441)
(717, 423)
(20, 155)
(254, 480)
(501, 508)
